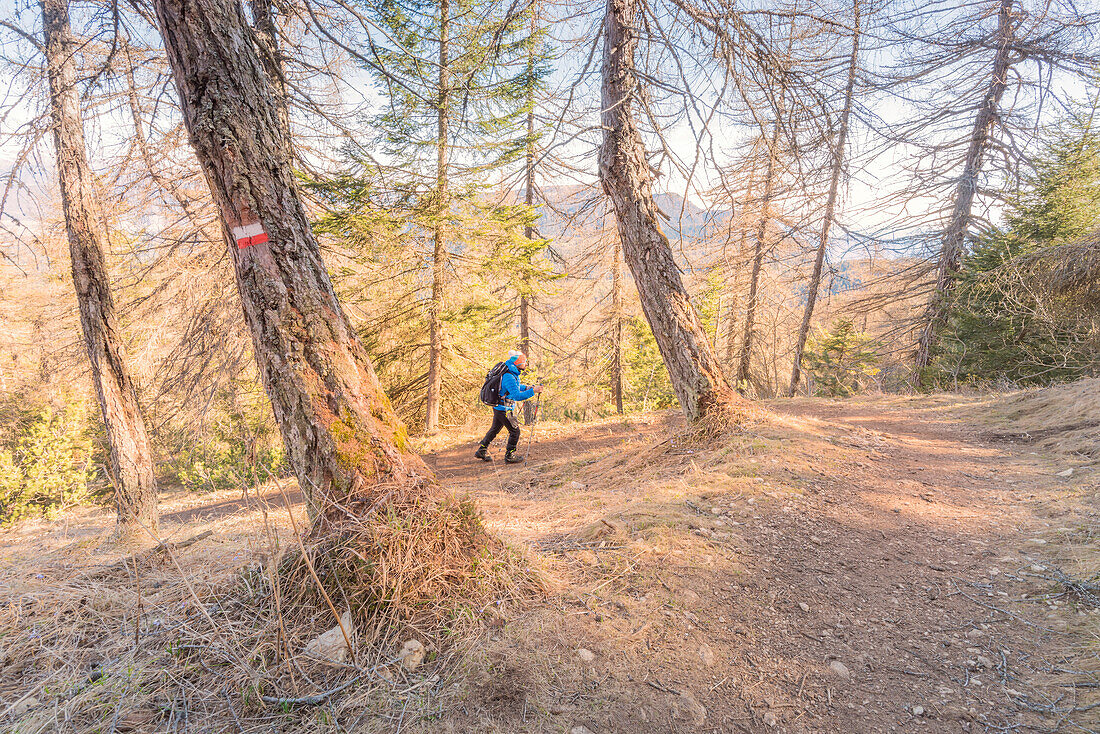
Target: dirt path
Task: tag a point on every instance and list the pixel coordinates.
(865, 566)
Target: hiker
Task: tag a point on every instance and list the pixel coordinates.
(509, 393)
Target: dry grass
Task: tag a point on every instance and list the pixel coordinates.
(1063, 420)
(186, 640)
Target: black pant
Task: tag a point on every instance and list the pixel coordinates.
(503, 419)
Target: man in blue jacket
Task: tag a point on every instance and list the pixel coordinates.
(511, 392)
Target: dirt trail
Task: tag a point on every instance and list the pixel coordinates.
(876, 570)
(863, 565)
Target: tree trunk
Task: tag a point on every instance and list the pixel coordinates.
(267, 38)
(529, 198)
(830, 205)
(627, 179)
(742, 376)
(343, 439)
(958, 227)
(617, 328)
(439, 253)
(131, 455)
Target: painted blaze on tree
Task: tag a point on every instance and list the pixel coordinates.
(343, 440)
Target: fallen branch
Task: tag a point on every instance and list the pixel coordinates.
(310, 700)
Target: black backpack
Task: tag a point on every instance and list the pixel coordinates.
(490, 391)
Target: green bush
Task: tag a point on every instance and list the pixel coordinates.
(239, 446)
(840, 361)
(46, 462)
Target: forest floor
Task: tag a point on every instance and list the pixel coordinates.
(874, 564)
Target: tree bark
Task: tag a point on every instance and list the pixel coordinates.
(131, 456)
(617, 327)
(628, 181)
(439, 252)
(830, 205)
(267, 38)
(745, 355)
(344, 441)
(958, 227)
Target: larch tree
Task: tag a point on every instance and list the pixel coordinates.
(532, 82)
(978, 79)
(627, 179)
(345, 444)
(617, 326)
(958, 228)
(837, 153)
(760, 249)
(131, 456)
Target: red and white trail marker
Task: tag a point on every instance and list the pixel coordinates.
(249, 234)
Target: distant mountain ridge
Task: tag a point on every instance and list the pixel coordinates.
(566, 208)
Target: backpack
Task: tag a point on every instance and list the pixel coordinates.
(490, 391)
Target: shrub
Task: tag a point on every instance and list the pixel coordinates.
(840, 361)
(46, 463)
(239, 446)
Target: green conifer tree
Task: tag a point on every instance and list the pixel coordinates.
(1003, 323)
(455, 77)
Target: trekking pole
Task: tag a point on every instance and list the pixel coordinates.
(534, 420)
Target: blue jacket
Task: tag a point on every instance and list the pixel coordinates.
(510, 387)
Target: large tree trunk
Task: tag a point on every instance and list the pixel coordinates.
(439, 252)
(343, 439)
(617, 327)
(745, 354)
(131, 456)
(628, 181)
(958, 227)
(830, 205)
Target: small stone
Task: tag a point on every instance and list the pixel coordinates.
(803, 606)
(1037, 568)
(332, 646)
(577, 486)
(587, 656)
(769, 719)
(412, 654)
(1037, 541)
(815, 540)
(974, 633)
(1066, 473)
(984, 662)
(707, 655)
(918, 711)
(716, 510)
(693, 709)
(840, 670)
(580, 729)
(690, 596)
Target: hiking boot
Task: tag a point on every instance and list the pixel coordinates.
(513, 458)
(483, 454)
